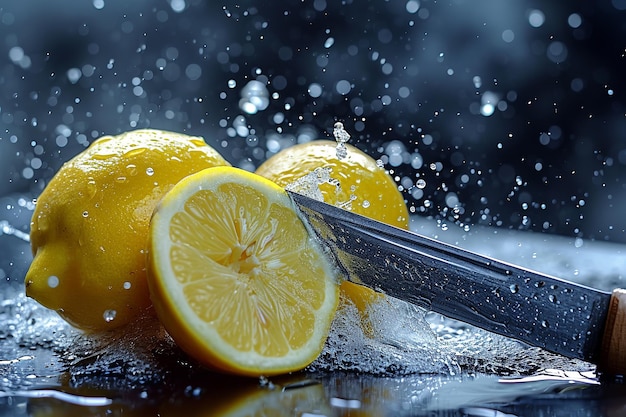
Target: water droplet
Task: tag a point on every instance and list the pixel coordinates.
(149, 171)
(53, 281)
(127, 285)
(109, 315)
(341, 136)
(552, 298)
(134, 152)
(365, 204)
(92, 188)
(42, 222)
(514, 288)
(545, 324)
(85, 214)
(254, 97)
(132, 169)
(103, 155)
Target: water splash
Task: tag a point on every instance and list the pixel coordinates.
(399, 342)
(308, 184)
(342, 137)
(7, 229)
(404, 339)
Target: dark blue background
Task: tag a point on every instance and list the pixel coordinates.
(550, 158)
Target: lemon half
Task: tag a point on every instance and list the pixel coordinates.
(235, 277)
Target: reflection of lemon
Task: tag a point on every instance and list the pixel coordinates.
(292, 395)
(308, 400)
(234, 276)
(89, 230)
(369, 190)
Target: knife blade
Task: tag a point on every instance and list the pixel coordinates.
(544, 311)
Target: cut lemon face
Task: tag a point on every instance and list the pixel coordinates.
(235, 277)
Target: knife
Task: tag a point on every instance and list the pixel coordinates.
(559, 316)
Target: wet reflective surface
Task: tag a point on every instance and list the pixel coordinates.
(497, 120)
(414, 363)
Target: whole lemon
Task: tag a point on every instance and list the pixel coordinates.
(89, 230)
(357, 184)
(361, 185)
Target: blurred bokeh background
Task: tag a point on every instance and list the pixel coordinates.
(506, 114)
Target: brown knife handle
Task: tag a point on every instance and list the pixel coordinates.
(613, 356)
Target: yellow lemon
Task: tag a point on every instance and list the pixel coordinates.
(361, 185)
(89, 230)
(235, 277)
(358, 185)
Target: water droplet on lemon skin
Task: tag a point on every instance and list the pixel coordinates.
(43, 223)
(101, 156)
(132, 169)
(109, 315)
(92, 188)
(198, 142)
(134, 152)
(53, 281)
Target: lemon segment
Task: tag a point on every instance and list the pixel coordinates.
(235, 277)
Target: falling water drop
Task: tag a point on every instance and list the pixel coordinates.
(341, 136)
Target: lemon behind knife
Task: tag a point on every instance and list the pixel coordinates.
(362, 187)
